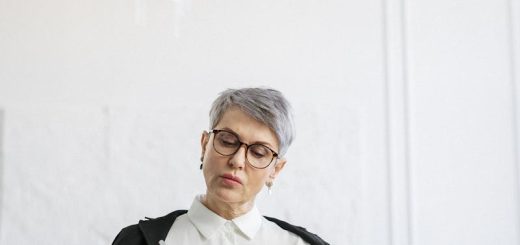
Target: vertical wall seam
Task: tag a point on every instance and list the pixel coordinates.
(406, 119)
(2, 172)
(389, 188)
(397, 121)
(106, 135)
(513, 59)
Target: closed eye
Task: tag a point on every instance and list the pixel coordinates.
(259, 151)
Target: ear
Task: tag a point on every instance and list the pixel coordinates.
(280, 163)
(204, 139)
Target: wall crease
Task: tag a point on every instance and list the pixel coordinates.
(2, 156)
(397, 121)
(514, 57)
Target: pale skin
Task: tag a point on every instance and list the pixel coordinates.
(233, 200)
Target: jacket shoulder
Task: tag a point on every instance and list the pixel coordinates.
(148, 231)
(307, 236)
(130, 235)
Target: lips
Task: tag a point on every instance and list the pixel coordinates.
(232, 177)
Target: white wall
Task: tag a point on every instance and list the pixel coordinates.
(406, 112)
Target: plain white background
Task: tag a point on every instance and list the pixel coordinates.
(406, 113)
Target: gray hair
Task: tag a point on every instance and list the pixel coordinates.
(267, 106)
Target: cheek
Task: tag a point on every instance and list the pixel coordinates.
(214, 165)
(257, 179)
(207, 174)
(210, 167)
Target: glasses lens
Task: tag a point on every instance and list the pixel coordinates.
(259, 156)
(226, 143)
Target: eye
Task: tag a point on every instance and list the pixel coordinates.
(259, 151)
(228, 142)
(227, 139)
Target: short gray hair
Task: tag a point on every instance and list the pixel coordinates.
(266, 105)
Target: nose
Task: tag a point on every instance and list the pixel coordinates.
(238, 160)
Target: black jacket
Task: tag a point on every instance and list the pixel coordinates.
(151, 231)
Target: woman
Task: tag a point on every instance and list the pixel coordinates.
(251, 130)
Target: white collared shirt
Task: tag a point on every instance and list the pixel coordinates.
(202, 226)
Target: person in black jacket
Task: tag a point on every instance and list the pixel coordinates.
(250, 132)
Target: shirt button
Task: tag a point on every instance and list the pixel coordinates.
(229, 225)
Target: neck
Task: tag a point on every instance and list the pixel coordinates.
(227, 210)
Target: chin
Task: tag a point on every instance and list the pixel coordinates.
(229, 196)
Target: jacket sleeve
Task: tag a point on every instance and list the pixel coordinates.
(130, 235)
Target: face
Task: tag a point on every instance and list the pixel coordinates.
(231, 179)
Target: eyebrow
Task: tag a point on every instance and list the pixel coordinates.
(250, 143)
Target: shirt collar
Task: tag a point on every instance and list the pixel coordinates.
(207, 222)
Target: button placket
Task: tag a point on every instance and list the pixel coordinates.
(230, 232)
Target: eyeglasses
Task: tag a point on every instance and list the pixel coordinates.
(228, 143)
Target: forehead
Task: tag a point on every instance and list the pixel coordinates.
(249, 129)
